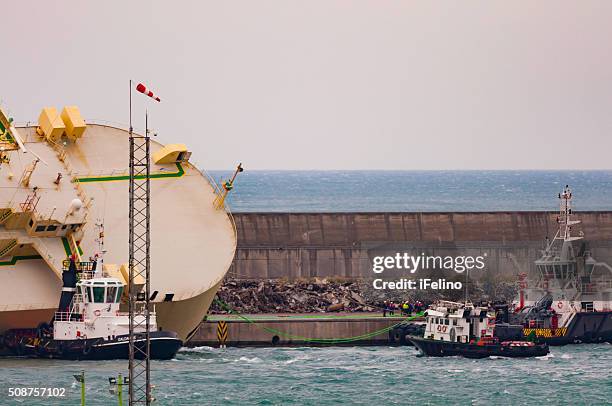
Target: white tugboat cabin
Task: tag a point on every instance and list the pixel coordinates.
(94, 311)
(458, 322)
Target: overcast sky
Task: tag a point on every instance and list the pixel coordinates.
(330, 84)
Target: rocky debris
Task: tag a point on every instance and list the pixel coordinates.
(327, 295)
(302, 296)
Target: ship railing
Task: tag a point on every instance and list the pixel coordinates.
(82, 266)
(218, 192)
(449, 305)
(75, 307)
(62, 316)
(101, 173)
(68, 316)
(139, 308)
(536, 323)
(86, 275)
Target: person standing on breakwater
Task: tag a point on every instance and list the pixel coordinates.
(385, 307)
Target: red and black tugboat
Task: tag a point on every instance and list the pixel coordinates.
(458, 329)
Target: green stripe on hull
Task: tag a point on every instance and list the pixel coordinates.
(16, 258)
(180, 172)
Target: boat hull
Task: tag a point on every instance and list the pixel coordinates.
(163, 346)
(438, 348)
(591, 327)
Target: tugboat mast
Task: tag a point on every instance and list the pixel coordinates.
(564, 219)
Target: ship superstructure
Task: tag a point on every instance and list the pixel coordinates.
(569, 299)
(58, 178)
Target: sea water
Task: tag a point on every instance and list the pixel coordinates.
(379, 191)
(573, 374)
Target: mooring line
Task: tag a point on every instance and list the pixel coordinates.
(315, 340)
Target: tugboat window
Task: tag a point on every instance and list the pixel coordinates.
(111, 293)
(98, 294)
(119, 293)
(89, 295)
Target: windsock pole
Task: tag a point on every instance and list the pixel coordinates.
(139, 260)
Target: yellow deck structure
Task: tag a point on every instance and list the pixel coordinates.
(51, 124)
(74, 123)
(171, 153)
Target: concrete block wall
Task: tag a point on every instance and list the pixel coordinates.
(306, 245)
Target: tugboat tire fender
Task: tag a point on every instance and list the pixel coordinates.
(86, 349)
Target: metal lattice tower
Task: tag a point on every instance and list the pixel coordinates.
(139, 268)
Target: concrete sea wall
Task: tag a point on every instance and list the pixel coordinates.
(295, 331)
(307, 245)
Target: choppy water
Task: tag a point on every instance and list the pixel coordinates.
(576, 375)
(328, 191)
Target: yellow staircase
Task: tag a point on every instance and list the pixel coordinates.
(8, 248)
(6, 213)
(74, 247)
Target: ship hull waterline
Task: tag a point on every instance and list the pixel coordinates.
(163, 346)
(439, 348)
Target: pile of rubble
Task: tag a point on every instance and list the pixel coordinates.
(280, 296)
(325, 295)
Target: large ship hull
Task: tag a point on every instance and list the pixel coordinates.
(192, 240)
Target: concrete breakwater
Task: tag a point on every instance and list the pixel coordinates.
(309, 245)
(295, 330)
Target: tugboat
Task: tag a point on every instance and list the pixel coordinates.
(570, 298)
(88, 324)
(458, 329)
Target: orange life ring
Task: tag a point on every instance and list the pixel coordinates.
(97, 313)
